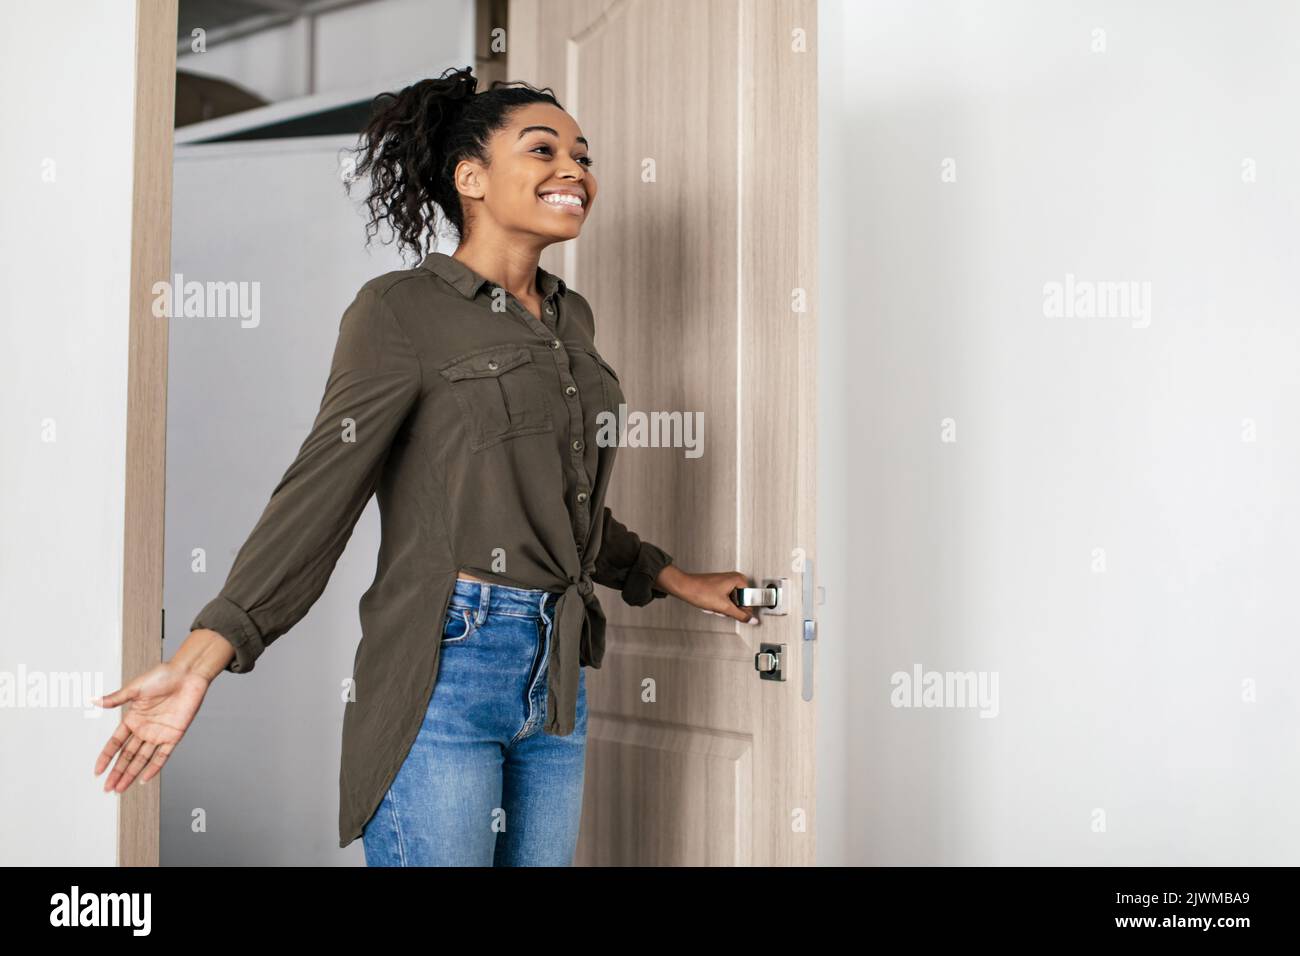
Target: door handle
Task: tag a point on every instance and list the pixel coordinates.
(771, 598)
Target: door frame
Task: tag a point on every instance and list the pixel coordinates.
(138, 820)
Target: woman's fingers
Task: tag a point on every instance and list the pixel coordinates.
(730, 609)
(138, 759)
(719, 598)
(120, 735)
(113, 746)
(142, 757)
(156, 762)
(122, 774)
(119, 696)
(123, 758)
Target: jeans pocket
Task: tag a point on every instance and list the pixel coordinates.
(457, 627)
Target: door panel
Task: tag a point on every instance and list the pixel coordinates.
(699, 261)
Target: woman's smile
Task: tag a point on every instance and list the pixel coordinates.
(565, 200)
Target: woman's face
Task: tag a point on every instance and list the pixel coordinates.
(540, 153)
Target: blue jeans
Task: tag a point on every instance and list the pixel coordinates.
(483, 785)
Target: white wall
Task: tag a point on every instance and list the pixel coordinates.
(1111, 532)
(65, 253)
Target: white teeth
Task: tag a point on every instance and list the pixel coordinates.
(565, 199)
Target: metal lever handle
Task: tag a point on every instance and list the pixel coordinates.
(756, 597)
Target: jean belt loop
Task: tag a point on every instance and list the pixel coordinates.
(484, 599)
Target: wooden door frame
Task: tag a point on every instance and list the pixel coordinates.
(138, 820)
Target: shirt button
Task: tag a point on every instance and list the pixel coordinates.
(548, 309)
(582, 496)
(577, 444)
(492, 364)
(555, 343)
(570, 390)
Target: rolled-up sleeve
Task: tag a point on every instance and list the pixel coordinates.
(628, 564)
(283, 566)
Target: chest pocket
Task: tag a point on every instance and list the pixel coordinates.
(501, 394)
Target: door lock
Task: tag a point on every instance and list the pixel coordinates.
(768, 661)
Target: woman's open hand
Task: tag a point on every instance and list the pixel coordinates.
(163, 702)
(710, 591)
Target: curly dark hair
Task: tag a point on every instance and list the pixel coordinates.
(414, 139)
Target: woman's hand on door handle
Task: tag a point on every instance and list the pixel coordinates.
(710, 591)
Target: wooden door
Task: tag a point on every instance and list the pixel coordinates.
(700, 264)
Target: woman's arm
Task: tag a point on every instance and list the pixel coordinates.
(205, 653)
(628, 564)
(287, 560)
(285, 563)
(643, 572)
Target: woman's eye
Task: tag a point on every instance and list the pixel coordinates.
(585, 160)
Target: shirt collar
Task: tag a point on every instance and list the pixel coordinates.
(467, 282)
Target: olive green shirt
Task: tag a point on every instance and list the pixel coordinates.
(475, 425)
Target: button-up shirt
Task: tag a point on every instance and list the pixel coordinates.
(475, 424)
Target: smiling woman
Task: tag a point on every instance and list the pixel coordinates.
(465, 394)
(511, 153)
